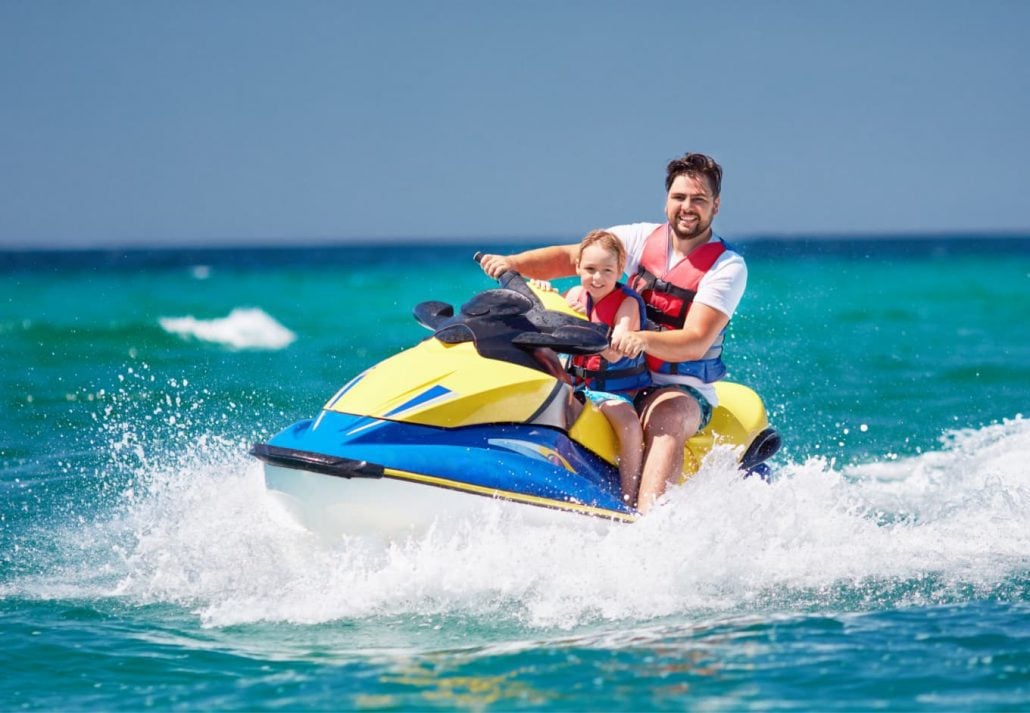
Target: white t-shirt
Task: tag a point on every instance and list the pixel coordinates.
(721, 288)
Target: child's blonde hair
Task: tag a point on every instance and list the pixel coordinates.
(606, 240)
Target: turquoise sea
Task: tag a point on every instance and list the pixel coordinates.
(142, 565)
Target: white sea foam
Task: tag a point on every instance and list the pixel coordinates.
(243, 328)
(198, 530)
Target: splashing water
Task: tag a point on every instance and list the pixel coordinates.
(194, 527)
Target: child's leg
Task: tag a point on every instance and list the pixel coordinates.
(626, 423)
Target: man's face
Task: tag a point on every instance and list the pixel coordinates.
(690, 206)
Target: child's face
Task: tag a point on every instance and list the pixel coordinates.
(598, 271)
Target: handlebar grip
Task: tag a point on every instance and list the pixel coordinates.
(478, 257)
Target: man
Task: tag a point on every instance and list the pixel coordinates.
(692, 283)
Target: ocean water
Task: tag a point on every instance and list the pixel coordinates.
(886, 564)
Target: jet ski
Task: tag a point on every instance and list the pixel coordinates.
(481, 412)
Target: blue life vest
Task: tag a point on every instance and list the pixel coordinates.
(594, 371)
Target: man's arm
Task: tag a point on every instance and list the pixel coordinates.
(718, 295)
(541, 263)
(687, 344)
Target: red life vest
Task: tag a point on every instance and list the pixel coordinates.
(594, 371)
(669, 293)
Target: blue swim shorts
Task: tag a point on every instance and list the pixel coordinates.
(702, 402)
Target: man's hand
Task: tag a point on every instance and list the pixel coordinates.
(495, 265)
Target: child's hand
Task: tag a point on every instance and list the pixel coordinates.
(573, 302)
(629, 344)
(542, 285)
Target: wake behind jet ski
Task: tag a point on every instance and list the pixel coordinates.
(482, 409)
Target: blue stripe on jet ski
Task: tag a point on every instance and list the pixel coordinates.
(426, 396)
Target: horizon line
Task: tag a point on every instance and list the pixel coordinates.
(308, 242)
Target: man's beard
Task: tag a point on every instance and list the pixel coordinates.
(701, 228)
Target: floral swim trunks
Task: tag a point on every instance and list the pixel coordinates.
(599, 397)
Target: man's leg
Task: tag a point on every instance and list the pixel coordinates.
(669, 417)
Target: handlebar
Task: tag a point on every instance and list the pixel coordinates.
(511, 280)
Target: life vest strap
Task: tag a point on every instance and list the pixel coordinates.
(602, 375)
(660, 321)
(649, 281)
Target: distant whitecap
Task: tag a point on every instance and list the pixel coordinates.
(244, 328)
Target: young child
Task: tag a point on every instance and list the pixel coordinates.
(608, 379)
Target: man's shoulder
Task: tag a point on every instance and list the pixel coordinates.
(730, 253)
(630, 231)
(634, 237)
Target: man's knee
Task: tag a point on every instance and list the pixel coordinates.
(676, 414)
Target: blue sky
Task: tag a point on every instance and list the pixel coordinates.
(205, 122)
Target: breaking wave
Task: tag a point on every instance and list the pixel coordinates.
(243, 328)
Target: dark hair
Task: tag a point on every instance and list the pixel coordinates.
(694, 165)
